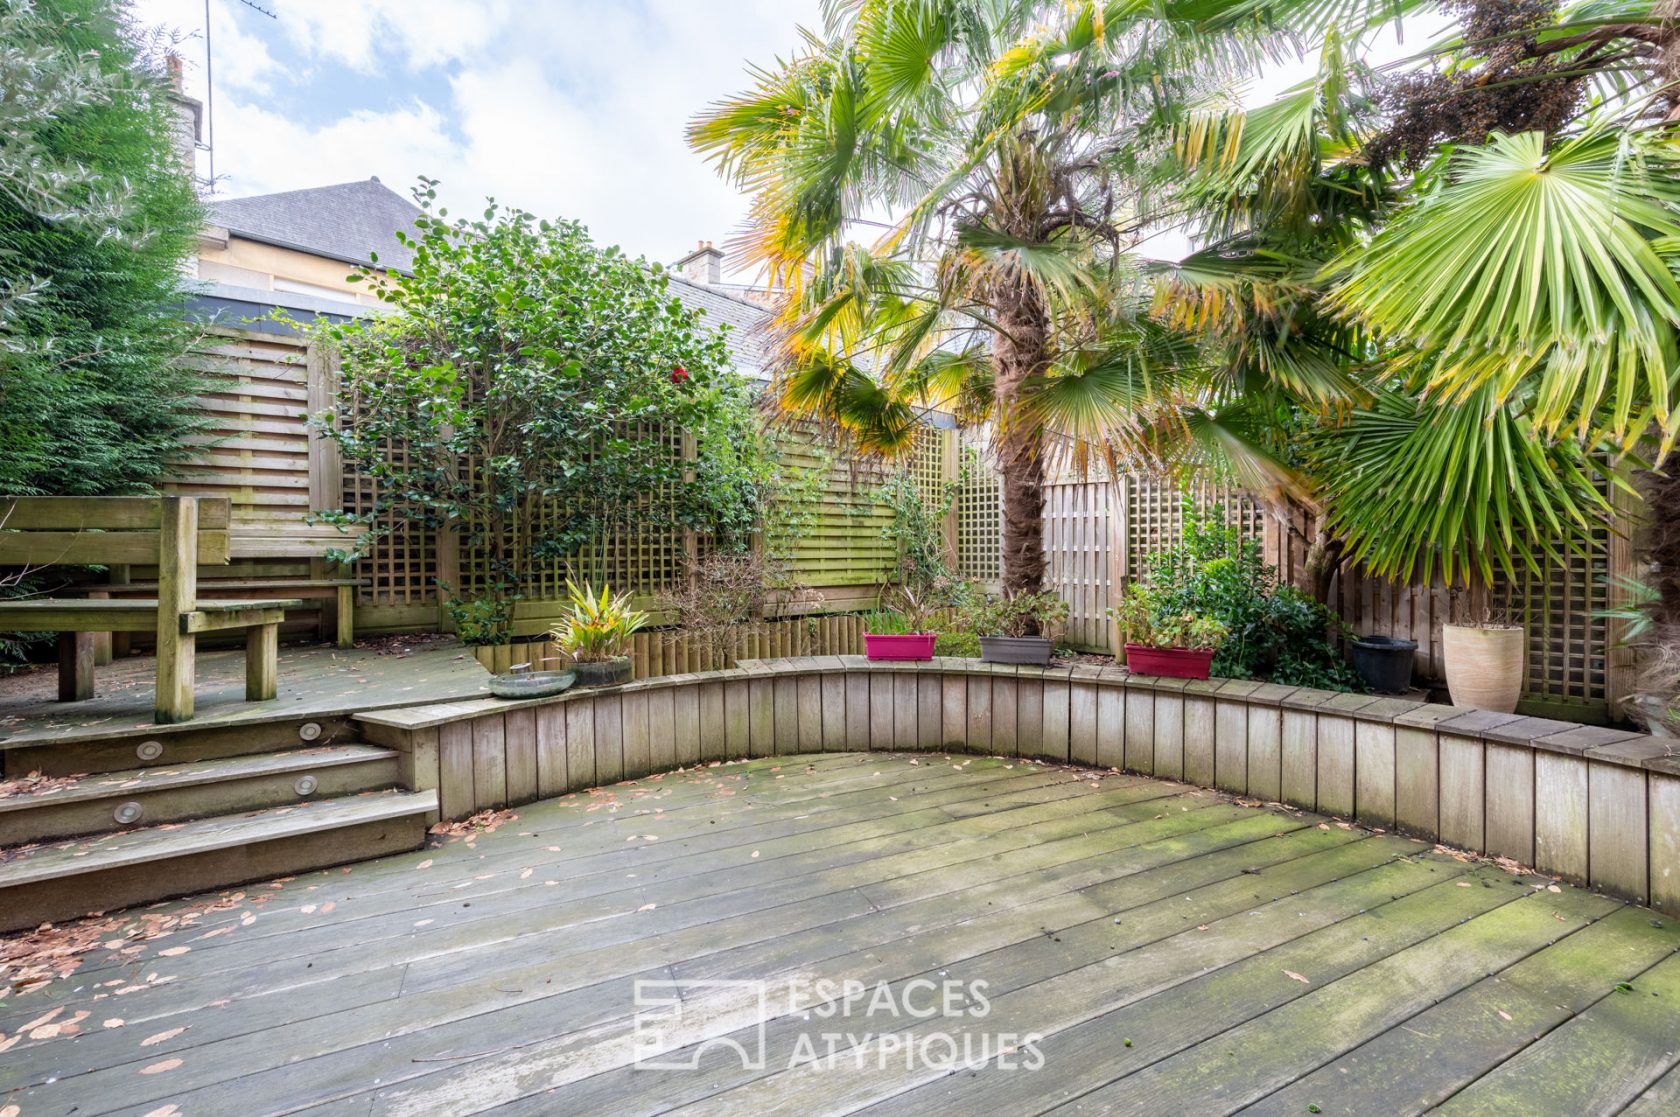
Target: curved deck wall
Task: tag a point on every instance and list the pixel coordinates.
(1599, 806)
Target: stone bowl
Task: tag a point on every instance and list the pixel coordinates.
(532, 684)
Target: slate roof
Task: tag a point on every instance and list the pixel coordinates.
(747, 342)
(349, 221)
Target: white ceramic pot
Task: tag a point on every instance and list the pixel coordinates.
(1484, 666)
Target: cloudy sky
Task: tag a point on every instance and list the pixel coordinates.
(570, 108)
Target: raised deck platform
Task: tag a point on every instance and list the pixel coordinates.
(315, 681)
(1150, 947)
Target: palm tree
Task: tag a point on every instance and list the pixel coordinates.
(1469, 266)
(987, 149)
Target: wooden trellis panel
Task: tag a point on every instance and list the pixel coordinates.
(643, 558)
(844, 547)
(979, 515)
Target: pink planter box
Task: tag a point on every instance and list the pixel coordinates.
(917, 645)
(1173, 663)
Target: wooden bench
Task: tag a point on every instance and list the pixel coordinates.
(341, 591)
(176, 534)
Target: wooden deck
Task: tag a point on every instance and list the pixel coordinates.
(1159, 949)
(315, 680)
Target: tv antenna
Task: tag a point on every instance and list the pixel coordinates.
(210, 85)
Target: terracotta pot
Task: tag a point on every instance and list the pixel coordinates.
(1033, 651)
(911, 645)
(1484, 666)
(1171, 663)
(603, 672)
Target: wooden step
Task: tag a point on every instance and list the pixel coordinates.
(51, 883)
(91, 804)
(151, 747)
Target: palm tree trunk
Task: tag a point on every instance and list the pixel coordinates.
(1020, 352)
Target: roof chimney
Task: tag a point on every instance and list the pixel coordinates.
(703, 265)
(189, 117)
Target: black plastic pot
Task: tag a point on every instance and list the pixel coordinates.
(1384, 662)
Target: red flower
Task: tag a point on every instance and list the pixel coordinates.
(679, 374)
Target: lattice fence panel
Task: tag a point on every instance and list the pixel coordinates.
(642, 558)
(979, 512)
(402, 566)
(1568, 639)
(1155, 515)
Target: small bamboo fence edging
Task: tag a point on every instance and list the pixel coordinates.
(1599, 807)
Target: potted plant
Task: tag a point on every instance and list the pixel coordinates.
(1017, 629)
(1485, 663)
(596, 634)
(1161, 641)
(903, 632)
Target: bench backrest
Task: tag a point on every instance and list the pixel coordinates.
(103, 530)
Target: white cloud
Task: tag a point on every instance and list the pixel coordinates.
(569, 108)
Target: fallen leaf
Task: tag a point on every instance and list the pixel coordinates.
(170, 1110)
(1293, 976)
(153, 1041)
(1503, 1015)
(426, 864)
(159, 1068)
(114, 1022)
(174, 951)
(647, 907)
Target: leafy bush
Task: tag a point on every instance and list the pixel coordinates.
(1216, 575)
(97, 217)
(481, 620)
(538, 384)
(961, 643)
(599, 626)
(1144, 624)
(1024, 614)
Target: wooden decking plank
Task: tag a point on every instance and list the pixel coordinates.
(1597, 1062)
(1242, 1065)
(372, 894)
(103, 785)
(513, 854)
(300, 924)
(340, 946)
(516, 993)
(1150, 940)
(1094, 1053)
(411, 1017)
(1484, 1025)
(1027, 927)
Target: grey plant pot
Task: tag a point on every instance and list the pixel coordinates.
(604, 672)
(1030, 650)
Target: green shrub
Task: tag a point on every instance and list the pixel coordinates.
(962, 644)
(1216, 577)
(1025, 614)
